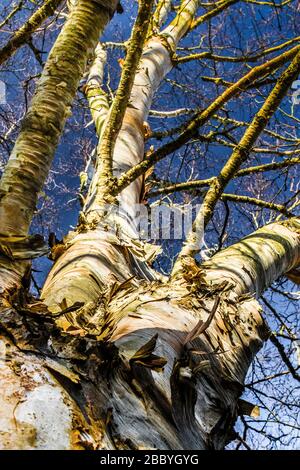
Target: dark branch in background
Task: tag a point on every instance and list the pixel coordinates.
(36, 52)
(277, 343)
(276, 314)
(14, 11)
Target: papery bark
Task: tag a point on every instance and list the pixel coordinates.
(31, 157)
(129, 150)
(143, 381)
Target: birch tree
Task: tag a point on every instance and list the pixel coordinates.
(115, 352)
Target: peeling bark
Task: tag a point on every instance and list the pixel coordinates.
(156, 365)
(31, 157)
(129, 150)
(117, 380)
(30, 160)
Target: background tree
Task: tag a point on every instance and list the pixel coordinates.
(192, 102)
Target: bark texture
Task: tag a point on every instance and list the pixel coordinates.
(129, 150)
(156, 365)
(31, 157)
(30, 160)
(21, 36)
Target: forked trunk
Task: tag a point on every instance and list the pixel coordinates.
(155, 365)
(114, 355)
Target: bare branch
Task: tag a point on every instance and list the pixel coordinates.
(21, 36)
(240, 154)
(15, 10)
(203, 116)
(257, 202)
(236, 59)
(220, 6)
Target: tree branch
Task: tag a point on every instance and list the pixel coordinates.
(255, 262)
(257, 202)
(284, 357)
(118, 108)
(220, 6)
(97, 98)
(239, 155)
(235, 59)
(21, 36)
(196, 184)
(202, 117)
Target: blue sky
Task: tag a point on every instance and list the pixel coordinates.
(244, 30)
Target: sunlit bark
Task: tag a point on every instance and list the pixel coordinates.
(167, 368)
(30, 160)
(113, 355)
(129, 150)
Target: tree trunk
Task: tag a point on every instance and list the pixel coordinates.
(164, 371)
(115, 356)
(99, 253)
(31, 157)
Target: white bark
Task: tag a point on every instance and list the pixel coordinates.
(165, 370)
(137, 362)
(129, 150)
(256, 261)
